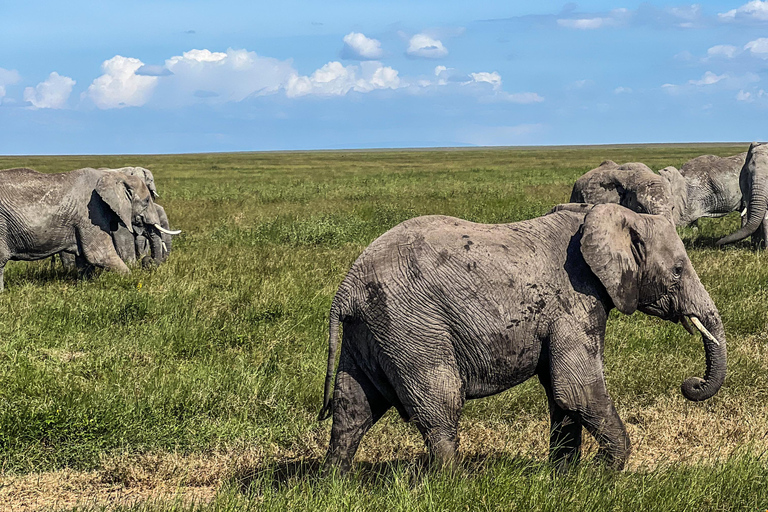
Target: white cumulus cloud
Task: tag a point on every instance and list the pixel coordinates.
(756, 10)
(723, 50)
(120, 86)
(424, 46)
(492, 78)
(622, 90)
(7, 77)
(51, 93)
(335, 79)
(357, 46)
(203, 75)
(708, 78)
(758, 47)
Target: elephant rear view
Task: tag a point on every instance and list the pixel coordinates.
(440, 310)
(633, 185)
(753, 181)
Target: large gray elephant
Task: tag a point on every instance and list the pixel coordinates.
(706, 186)
(134, 244)
(439, 310)
(633, 185)
(75, 212)
(753, 182)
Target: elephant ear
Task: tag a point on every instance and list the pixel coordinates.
(115, 190)
(613, 248)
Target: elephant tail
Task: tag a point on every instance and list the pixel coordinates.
(333, 344)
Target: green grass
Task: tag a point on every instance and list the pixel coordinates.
(223, 348)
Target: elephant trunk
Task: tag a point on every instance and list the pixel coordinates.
(710, 326)
(156, 246)
(756, 208)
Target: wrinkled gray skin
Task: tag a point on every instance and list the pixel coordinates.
(439, 310)
(753, 181)
(133, 245)
(75, 212)
(706, 186)
(633, 185)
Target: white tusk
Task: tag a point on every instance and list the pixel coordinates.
(166, 231)
(687, 325)
(703, 330)
(744, 212)
(165, 247)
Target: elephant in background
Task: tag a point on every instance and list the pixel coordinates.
(753, 183)
(633, 185)
(706, 186)
(135, 244)
(440, 310)
(75, 212)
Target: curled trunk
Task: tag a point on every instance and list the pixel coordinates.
(713, 336)
(757, 204)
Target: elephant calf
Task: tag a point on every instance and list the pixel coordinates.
(633, 185)
(439, 310)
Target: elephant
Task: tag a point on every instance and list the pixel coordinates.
(753, 183)
(439, 310)
(706, 186)
(633, 185)
(75, 212)
(134, 244)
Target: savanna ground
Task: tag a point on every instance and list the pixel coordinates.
(195, 386)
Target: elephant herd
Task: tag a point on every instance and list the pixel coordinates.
(439, 310)
(90, 217)
(707, 186)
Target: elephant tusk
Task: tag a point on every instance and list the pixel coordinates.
(703, 330)
(744, 213)
(687, 325)
(165, 247)
(166, 231)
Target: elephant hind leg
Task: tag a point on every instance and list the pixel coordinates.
(357, 406)
(433, 399)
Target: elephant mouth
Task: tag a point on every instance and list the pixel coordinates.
(694, 326)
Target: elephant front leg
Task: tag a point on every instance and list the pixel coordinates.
(564, 431)
(578, 388)
(99, 250)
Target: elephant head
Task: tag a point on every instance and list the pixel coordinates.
(632, 185)
(679, 190)
(754, 192)
(145, 175)
(641, 262)
(130, 199)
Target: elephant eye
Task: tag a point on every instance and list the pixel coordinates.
(677, 270)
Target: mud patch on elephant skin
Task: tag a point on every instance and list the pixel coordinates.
(376, 300)
(468, 245)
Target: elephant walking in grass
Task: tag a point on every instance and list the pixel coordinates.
(633, 185)
(706, 186)
(753, 181)
(74, 212)
(440, 310)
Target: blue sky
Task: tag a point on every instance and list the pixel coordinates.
(194, 76)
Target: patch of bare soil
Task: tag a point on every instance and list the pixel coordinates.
(671, 431)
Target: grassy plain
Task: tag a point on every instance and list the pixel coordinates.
(195, 386)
